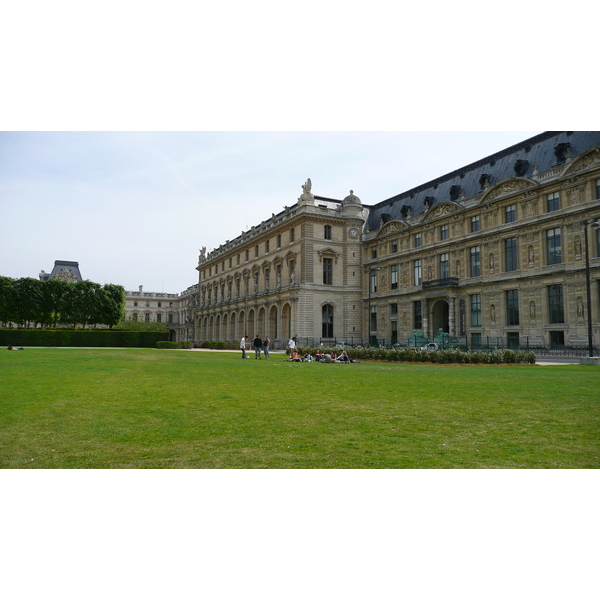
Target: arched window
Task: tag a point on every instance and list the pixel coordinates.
(327, 329)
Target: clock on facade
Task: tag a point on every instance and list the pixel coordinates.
(353, 232)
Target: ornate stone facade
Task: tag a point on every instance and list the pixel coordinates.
(295, 274)
(493, 252)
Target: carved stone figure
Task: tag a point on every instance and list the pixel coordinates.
(580, 308)
(255, 277)
(493, 313)
(532, 310)
(531, 254)
(578, 246)
(491, 261)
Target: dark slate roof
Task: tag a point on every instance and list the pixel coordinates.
(70, 265)
(539, 149)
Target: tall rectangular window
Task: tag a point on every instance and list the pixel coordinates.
(444, 266)
(373, 320)
(510, 213)
(475, 224)
(475, 262)
(597, 241)
(247, 255)
(510, 254)
(476, 310)
(553, 246)
(373, 251)
(394, 277)
(597, 189)
(393, 309)
(328, 271)
(417, 315)
(279, 240)
(292, 235)
(327, 232)
(556, 308)
(238, 260)
(394, 332)
(394, 246)
(444, 232)
(552, 202)
(373, 281)
(158, 318)
(512, 307)
(417, 271)
(417, 240)
(256, 251)
(267, 246)
(170, 317)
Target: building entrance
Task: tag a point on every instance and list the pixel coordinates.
(440, 317)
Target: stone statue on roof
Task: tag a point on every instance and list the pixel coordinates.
(306, 195)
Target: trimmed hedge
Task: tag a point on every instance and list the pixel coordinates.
(174, 345)
(92, 338)
(451, 356)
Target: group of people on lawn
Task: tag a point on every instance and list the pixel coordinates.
(259, 345)
(262, 346)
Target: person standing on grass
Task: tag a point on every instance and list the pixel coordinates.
(257, 343)
(266, 344)
(292, 345)
(243, 346)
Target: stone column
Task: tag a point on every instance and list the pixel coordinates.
(452, 315)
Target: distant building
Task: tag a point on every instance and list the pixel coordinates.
(176, 310)
(63, 269)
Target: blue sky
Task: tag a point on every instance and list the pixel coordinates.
(134, 208)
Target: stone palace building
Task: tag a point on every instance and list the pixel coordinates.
(494, 250)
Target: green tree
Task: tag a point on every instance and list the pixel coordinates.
(7, 296)
(55, 292)
(112, 305)
(28, 301)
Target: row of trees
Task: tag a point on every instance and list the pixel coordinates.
(30, 302)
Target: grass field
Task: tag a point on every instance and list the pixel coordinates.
(138, 408)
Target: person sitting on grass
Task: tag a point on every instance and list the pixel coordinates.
(343, 358)
(319, 356)
(295, 357)
(326, 358)
(308, 357)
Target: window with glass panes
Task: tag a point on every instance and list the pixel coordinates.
(512, 307)
(417, 271)
(510, 254)
(373, 251)
(553, 246)
(292, 235)
(476, 310)
(475, 225)
(373, 321)
(476, 340)
(475, 261)
(417, 315)
(597, 241)
(552, 202)
(327, 232)
(394, 277)
(394, 246)
(417, 240)
(373, 281)
(328, 271)
(510, 213)
(267, 246)
(597, 189)
(444, 266)
(556, 308)
(393, 309)
(394, 332)
(512, 339)
(444, 232)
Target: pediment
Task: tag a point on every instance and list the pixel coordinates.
(584, 162)
(515, 185)
(392, 227)
(441, 210)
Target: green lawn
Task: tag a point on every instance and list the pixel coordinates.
(130, 408)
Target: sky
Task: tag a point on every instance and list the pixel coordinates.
(134, 208)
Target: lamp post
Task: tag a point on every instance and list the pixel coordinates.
(371, 271)
(586, 224)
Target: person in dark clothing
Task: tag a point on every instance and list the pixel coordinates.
(257, 346)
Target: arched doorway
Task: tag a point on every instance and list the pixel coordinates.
(260, 325)
(440, 317)
(250, 324)
(272, 330)
(286, 321)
